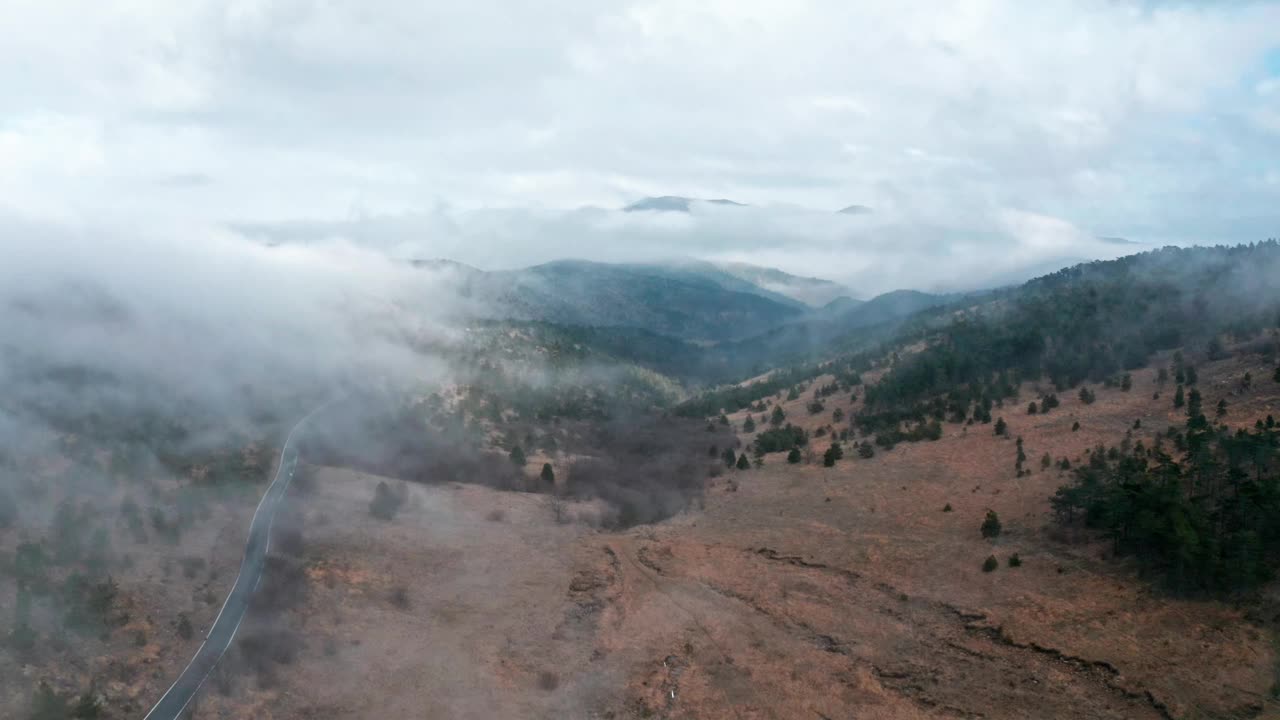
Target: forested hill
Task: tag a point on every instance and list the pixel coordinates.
(1091, 321)
(1086, 322)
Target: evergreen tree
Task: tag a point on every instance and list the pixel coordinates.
(730, 457)
(1191, 375)
(990, 564)
(1222, 407)
(1001, 427)
(1178, 398)
(548, 475)
(777, 417)
(1276, 376)
(517, 456)
(866, 451)
(793, 457)
(837, 415)
(1194, 409)
(724, 419)
(1075, 426)
(1086, 396)
(1126, 382)
(749, 425)
(1031, 409)
(991, 525)
(832, 454)
(743, 462)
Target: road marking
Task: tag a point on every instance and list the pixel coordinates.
(284, 451)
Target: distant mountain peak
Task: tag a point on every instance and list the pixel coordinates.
(674, 203)
(855, 210)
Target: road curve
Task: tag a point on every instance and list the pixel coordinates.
(219, 637)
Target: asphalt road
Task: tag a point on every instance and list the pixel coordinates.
(219, 637)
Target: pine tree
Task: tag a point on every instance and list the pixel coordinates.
(548, 475)
(743, 462)
(830, 457)
(990, 564)
(777, 417)
(1031, 409)
(866, 451)
(730, 458)
(1191, 375)
(1276, 377)
(1075, 426)
(749, 425)
(1086, 395)
(1001, 427)
(793, 457)
(991, 525)
(1194, 408)
(1126, 382)
(1222, 407)
(1178, 398)
(517, 456)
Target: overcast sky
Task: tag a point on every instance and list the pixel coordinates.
(990, 138)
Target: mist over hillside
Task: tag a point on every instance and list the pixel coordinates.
(640, 360)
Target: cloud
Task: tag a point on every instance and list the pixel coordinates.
(164, 319)
(1152, 121)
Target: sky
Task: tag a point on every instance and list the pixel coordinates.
(992, 139)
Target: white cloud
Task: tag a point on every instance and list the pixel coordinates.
(1117, 118)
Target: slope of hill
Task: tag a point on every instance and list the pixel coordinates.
(811, 291)
(688, 302)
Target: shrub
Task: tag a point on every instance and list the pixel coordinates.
(990, 564)
(386, 502)
(866, 451)
(946, 508)
(1015, 561)
(185, 631)
(991, 525)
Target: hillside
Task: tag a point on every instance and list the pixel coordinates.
(687, 302)
(811, 291)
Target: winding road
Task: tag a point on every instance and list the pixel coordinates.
(219, 637)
